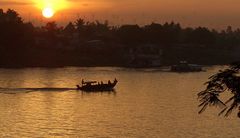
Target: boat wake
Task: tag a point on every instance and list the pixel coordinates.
(27, 90)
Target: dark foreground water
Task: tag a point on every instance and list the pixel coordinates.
(147, 103)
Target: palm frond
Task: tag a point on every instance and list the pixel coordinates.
(233, 106)
(227, 80)
(203, 108)
(209, 99)
(223, 111)
(235, 66)
(229, 100)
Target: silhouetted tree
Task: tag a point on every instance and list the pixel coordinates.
(12, 29)
(13, 17)
(81, 29)
(231, 37)
(29, 34)
(80, 24)
(226, 81)
(130, 34)
(92, 30)
(52, 30)
(51, 27)
(153, 33)
(202, 35)
(69, 29)
(101, 30)
(23, 39)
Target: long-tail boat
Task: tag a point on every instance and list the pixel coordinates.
(94, 86)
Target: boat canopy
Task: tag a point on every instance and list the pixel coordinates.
(89, 82)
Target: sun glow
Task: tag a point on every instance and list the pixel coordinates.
(49, 7)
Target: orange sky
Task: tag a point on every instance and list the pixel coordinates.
(212, 13)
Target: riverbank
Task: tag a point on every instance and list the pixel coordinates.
(109, 56)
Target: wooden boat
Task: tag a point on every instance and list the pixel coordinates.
(94, 86)
(183, 66)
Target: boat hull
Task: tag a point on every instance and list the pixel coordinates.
(97, 88)
(186, 68)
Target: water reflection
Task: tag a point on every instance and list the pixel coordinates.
(114, 93)
(145, 104)
(28, 90)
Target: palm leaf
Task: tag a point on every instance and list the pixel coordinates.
(203, 108)
(229, 100)
(218, 83)
(222, 111)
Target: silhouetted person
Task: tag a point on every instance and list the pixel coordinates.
(115, 80)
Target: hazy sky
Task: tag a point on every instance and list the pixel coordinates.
(211, 13)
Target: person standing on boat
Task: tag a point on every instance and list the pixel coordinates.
(115, 80)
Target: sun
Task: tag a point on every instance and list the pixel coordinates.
(51, 7)
(48, 12)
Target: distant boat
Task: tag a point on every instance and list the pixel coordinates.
(183, 66)
(94, 86)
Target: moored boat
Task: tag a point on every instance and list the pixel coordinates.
(183, 66)
(94, 86)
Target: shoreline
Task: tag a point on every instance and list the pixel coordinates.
(104, 66)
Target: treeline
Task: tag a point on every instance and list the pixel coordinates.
(154, 33)
(13, 28)
(18, 39)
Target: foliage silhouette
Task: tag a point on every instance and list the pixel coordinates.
(12, 26)
(225, 81)
(22, 43)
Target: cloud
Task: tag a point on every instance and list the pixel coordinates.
(85, 4)
(14, 3)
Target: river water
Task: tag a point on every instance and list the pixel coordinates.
(40, 102)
